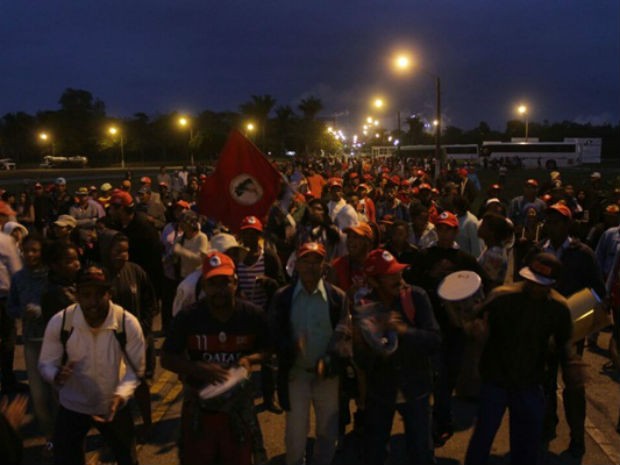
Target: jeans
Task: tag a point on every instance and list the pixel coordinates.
(526, 408)
(44, 401)
(574, 404)
(306, 389)
(72, 428)
(416, 415)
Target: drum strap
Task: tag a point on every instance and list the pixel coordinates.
(406, 301)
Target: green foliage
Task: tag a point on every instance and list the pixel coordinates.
(80, 125)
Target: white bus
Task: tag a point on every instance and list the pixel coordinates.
(534, 153)
(461, 152)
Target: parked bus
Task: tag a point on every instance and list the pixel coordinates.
(533, 153)
(461, 152)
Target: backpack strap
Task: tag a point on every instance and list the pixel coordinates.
(121, 336)
(406, 301)
(66, 330)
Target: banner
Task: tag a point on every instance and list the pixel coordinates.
(244, 183)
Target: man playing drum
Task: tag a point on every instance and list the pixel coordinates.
(398, 371)
(211, 343)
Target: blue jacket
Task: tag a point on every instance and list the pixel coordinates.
(409, 368)
(27, 286)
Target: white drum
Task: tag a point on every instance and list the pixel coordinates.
(460, 292)
(587, 313)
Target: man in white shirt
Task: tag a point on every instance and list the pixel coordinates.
(93, 353)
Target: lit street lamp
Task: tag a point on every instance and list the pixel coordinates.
(45, 137)
(113, 131)
(249, 128)
(402, 63)
(522, 109)
(184, 122)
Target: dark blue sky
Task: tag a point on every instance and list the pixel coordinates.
(561, 57)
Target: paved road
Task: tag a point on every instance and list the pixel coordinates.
(602, 446)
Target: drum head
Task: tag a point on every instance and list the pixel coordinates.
(459, 285)
(236, 375)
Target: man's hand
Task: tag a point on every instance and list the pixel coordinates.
(397, 324)
(245, 363)
(64, 374)
(210, 372)
(32, 311)
(14, 411)
(115, 406)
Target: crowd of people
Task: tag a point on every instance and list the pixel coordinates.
(330, 299)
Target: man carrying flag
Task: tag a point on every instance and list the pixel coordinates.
(244, 183)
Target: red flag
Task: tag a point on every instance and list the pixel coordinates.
(244, 183)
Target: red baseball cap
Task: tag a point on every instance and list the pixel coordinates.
(531, 182)
(463, 172)
(251, 222)
(447, 218)
(122, 198)
(183, 204)
(217, 264)
(395, 179)
(145, 180)
(353, 175)
(333, 182)
(311, 247)
(562, 210)
(382, 262)
(425, 185)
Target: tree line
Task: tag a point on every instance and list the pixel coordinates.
(80, 127)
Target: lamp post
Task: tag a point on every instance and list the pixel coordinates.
(45, 137)
(402, 63)
(113, 131)
(522, 109)
(184, 122)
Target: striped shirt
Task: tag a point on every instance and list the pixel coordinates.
(248, 283)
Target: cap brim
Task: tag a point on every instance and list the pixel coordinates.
(219, 271)
(250, 226)
(528, 274)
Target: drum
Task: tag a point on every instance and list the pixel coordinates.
(587, 312)
(460, 292)
(220, 396)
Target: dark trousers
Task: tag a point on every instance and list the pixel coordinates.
(416, 414)
(168, 292)
(574, 403)
(526, 408)
(71, 429)
(8, 337)
(448, 362)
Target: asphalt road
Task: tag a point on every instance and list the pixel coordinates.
(602, 441)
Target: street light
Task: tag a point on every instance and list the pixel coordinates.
(402, 63)
(185, 122)
(113, 131)
(522, 110)
(378, 103)
(45, 137)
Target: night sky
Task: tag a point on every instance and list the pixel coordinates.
(562, 58)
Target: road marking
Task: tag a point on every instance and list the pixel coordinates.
(604, 442)
(166, 403)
